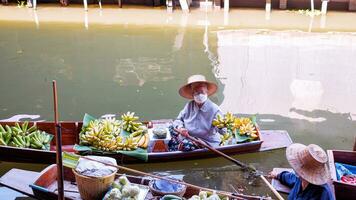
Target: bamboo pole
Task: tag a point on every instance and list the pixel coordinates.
(234, 196)
(58, 135)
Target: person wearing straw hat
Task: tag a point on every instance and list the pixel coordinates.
(197, 115)
(311, 173)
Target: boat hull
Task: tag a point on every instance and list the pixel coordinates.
(346, 157)
(70, 133)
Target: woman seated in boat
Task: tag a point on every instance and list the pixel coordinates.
(311, 173)
(196, 117)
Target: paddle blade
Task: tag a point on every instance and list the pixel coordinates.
(70, 160)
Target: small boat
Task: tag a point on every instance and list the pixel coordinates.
(342, 190)
(43, 185)
(268, 140)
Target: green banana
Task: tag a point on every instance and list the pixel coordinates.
(2, 141)
(13, 144)
(17, 142)
(32, 129)
(16, 130)
(35, 146)
(24, 126)
(7, 137)
(36, 143)
(21, 140)
(28, 141)
(17, 125)
(136, 133)
(8, 129)
(2, 129)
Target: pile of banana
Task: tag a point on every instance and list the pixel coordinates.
(104, 134)
(24, 137)
(245, 127)
(243, 124)
(224, 122)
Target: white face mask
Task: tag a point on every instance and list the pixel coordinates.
(200, 98)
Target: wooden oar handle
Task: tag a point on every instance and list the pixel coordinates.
(275, 192)
(243, 165)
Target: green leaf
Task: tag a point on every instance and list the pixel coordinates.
(253, 119)
(70, 159)
(242, 138)
(137, 153)
(125, 133)
(87, 118)
(81, 148)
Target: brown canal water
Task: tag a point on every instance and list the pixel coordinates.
(302, 82)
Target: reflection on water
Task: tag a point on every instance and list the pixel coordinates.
(263, 69)
(296, 81)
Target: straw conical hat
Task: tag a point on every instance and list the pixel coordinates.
(309, 162)
(186, 90)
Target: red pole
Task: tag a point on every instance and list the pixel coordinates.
(58, 135)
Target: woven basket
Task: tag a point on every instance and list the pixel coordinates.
(92, 188)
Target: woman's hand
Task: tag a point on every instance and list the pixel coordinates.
(183, 132)
(272, 174)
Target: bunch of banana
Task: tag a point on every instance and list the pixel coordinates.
(21, 130)
(239, 121)
(24, 137)
(94, 136)
(20, 141)
(100, 130)
(248, 129)
(131, 124)
(110, 126)
(142, 141)
(128, 145)
(5, 136)
(224, 122)
(38, 139)
(225, 138)
(108, 144)
(245, 127)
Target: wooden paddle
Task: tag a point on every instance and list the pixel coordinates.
(241, 164)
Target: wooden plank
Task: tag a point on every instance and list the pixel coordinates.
(19, 180)
(331, 165)
(278, 185)
(352, 5)
(275, 139)
(283, 4)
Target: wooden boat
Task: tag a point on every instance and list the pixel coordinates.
(342, 190)
(43, 185)
(269, 139)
